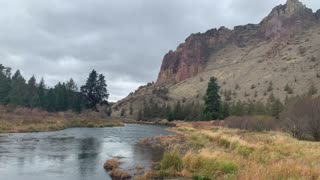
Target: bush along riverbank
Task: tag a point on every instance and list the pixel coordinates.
(209, 152)
(33, 120)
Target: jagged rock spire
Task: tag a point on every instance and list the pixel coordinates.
(283, 19)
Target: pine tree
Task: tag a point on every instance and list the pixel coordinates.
(61, 97)
(41, 94)
(17, 95)
(102, 89)
(5, 78)
(50, 101)
(32, 91)
(95, 90)
(212, 101)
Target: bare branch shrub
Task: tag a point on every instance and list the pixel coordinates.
(302, 118)
(252, 123)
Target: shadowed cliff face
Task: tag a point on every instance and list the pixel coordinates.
(190, 57)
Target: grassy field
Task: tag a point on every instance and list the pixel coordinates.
(26, 120)
(208, 152)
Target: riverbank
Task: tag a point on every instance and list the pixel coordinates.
(39, 121)
(204, 151)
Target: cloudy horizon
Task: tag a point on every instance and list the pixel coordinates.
(123, 39)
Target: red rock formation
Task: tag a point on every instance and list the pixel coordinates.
(190, 57)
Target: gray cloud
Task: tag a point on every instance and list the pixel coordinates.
(124, 39)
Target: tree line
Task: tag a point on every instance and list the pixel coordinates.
(16, 91)
(213, 108)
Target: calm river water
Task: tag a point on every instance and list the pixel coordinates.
(74, 154)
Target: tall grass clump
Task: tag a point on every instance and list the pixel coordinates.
(208, 168)
(170, 164)
(198, 141)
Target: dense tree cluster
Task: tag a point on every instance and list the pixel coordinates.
(15, 90)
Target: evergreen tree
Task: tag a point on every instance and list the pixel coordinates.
(225, 112)
(170, 116)
(17, 95)
(32, 93)
(41, 93)
(178, 112)
(95, 90)
(50, 101)
(61, 97)
(123, 112)
(71, 86)
(5, 78)
(102, 89)
(212, 101)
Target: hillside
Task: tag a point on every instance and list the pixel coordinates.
(250, 62)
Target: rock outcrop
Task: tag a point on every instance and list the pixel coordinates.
(287, 19)
(190, 57)
(284, 48)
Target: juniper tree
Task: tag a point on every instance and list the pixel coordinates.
(212, 101)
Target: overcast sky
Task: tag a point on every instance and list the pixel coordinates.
(123, 39)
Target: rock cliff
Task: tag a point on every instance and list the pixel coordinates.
(283, 49)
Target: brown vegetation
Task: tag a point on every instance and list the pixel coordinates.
(119, 174)
(222, 153)
(15, 120)
(111, 164)
(302, 118)
(252, 123)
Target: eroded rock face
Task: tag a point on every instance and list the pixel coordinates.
(191, 56)
(286, 19)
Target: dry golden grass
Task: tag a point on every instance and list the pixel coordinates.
(35, 120)
(119, 174)
(223, 153)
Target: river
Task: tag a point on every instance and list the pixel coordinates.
(74, 154)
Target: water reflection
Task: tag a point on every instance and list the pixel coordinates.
(74, 153)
